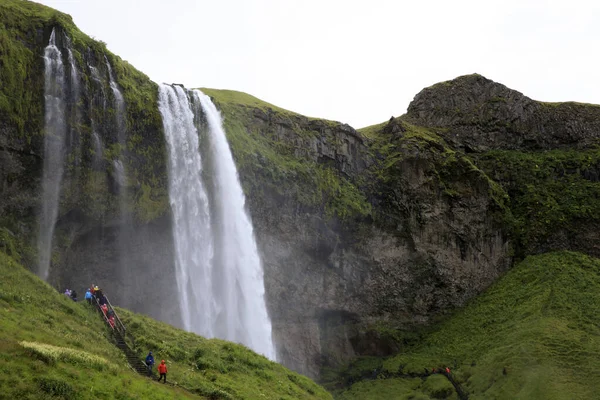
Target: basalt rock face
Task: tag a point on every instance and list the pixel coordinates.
(482, 115)
(432, 237)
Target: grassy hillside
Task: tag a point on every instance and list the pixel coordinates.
(216, 368)
(533, 335)
(52, 347)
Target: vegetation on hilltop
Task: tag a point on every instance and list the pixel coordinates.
(270, 165)
(532, 335)
(397, 141)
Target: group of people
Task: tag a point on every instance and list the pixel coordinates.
(95, 293)
(162, 367)
(71, 294)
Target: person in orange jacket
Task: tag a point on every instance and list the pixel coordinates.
(162, 370)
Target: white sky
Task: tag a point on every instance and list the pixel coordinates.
(358, 62)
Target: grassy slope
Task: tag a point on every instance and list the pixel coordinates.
(532, 335)
(86, 365)
(32, 311)
(216, 368)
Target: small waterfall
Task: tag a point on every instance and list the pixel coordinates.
(120, 173)
(219, 274)
(191, 216)
(119, 164)
(101, 104)
(98, 152)
(243, 316)
(74, 140)
(119, 104)
(54, 140)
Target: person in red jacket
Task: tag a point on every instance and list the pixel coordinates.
(162, 370)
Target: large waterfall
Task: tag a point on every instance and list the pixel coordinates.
(54, 142)
(219, 273)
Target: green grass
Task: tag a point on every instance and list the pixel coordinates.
(533, 335)
(234, 97)
(52, 347)
(217, 368)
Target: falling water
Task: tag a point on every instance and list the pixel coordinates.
(98, 152)
(219, 274)
(191, 215)
(119, 103)
(239, 275)
(54, 139)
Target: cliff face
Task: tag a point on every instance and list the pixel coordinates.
(92, 244)
(423, 234)
(364, 234)
(481, 115)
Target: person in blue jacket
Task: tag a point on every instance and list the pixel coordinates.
(149, 362)
(88, 296)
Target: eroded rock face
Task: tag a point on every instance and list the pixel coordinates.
(480, 115)
(422, 253)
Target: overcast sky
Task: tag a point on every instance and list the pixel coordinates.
(358, 62)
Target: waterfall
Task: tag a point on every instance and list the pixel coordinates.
(54, 140)
(97, 142)
(191, 215)
(243, 315)
(219, 273)
(119, 104)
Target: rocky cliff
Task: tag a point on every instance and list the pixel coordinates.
(364, 234)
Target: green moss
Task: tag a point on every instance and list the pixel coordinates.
(455, 174)
(152, 203)
(549, 191)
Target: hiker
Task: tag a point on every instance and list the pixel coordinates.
(448, 370)
(74, 295)
(98, 293)
(102, 300)
(162, 370)
(104, 309)
(88, 296)
(150, 363)
(111, 321)
(67, 292)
